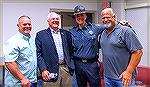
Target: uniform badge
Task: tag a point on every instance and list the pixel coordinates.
(91, 32)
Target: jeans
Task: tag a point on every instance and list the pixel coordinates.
(74, 80)
(116, 83)
(40, 83)
(33, 85)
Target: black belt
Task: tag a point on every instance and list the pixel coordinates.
(86, 60)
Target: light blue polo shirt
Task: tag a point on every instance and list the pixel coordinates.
(22, 50)
(117, 48)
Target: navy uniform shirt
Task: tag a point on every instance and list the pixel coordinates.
(85, 40)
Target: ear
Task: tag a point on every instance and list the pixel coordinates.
(114, 16)
(85, 16)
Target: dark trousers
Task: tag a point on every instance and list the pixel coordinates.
(33, 85)
(87, 72)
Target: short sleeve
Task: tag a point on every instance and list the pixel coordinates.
(100, 28)
(10, 51)
(132, 40)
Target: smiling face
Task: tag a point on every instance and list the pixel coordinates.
(53, 20)
(80, 19)
(108, 18)
(24, 25)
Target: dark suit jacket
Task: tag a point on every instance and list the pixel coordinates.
(47, 57)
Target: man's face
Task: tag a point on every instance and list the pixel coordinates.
(54, 21)
(24, 25)
(80, 18)
(107, 19)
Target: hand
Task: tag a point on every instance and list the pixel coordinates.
(25, 82)
(125, 23)
(45, 75)
(126, 78)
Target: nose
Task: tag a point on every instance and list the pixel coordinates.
(105, 19)
(28, 25)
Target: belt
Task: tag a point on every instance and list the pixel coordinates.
(86, 60)
(61, 62)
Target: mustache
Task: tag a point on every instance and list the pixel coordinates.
(24, 29)
(107, 25)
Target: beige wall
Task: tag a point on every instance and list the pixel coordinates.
(37, 10)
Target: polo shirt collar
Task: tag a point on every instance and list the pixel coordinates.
(25, 37)
(116, 27)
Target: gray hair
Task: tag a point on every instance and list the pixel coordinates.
(23, 17)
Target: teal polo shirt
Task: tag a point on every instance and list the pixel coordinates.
(22, 50)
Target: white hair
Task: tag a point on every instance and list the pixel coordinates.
(52, 13)
(109, 9)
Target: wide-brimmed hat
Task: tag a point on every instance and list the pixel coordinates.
(79, 9)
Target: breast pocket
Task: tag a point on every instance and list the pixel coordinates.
(92, 40)
(77, 42)
(25, 52)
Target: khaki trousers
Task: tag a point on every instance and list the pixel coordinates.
(64, 79)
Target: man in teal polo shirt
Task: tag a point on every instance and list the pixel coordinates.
(20, 57)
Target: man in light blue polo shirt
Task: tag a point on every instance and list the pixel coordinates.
(121, 51)
(20, 57)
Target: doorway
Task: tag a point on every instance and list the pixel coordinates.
(67, 17)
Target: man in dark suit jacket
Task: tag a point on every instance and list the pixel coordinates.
(54, 49)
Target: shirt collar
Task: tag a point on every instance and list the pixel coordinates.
(25, 37)
(116, 27)
(85, 26)
(55, 31)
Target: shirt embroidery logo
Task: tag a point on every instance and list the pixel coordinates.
(91, 32)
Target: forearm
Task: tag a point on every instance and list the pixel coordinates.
(14, 70)
(134, 61)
